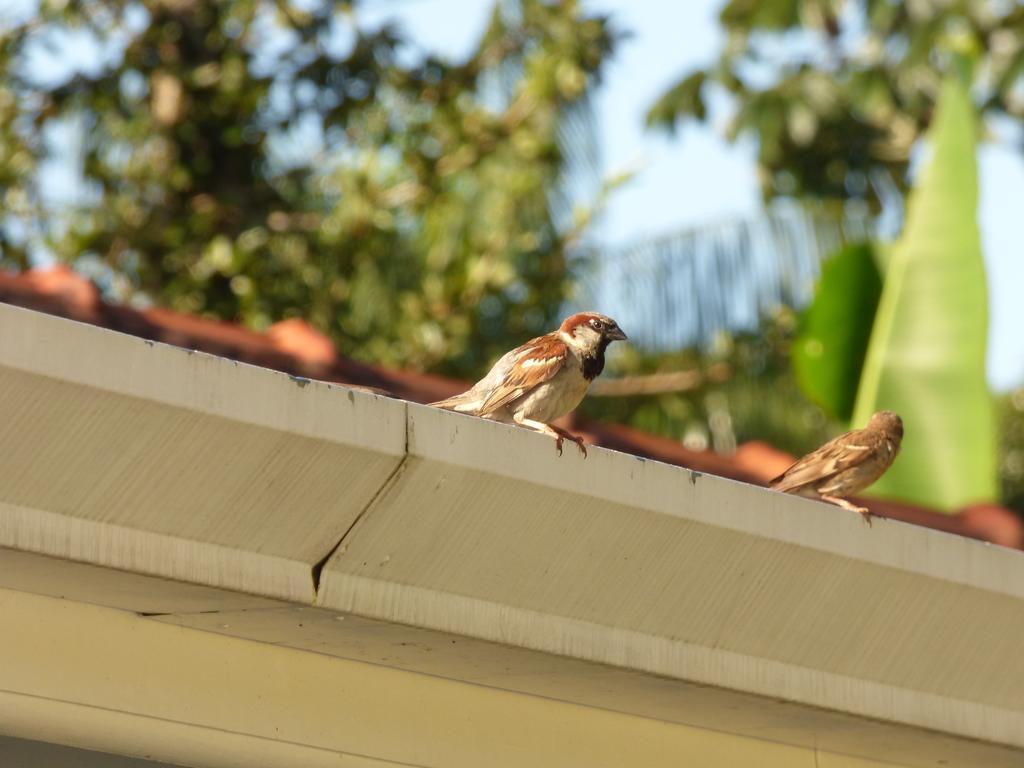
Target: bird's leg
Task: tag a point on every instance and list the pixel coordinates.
(539, 426)
(862, 511)
(575, 438)
(547, 429)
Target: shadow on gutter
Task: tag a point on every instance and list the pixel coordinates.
(386, 486)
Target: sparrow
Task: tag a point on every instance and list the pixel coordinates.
(847, 464)
(544, 379)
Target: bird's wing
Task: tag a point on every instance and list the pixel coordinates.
(472, 399)
(841, 453)
(537, 361)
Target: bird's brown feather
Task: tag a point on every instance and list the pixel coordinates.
(537, 365)
(841, 453)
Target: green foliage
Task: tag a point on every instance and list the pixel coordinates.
(836, 93)
(684, 98)
(926, 357)
(258, 159)
(834, 330)
(1010, 410)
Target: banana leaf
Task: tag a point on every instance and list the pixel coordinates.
(828, 353)
(926, 355)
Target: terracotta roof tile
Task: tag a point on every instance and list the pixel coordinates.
(295, 347)
(298, 338)
(64, 285)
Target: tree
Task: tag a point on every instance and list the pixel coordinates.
(836, 95)
(259, 159)
(836, 92)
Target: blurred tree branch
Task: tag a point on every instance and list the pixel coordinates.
(660, 383)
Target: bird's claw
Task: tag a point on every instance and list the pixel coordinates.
(865, 513)
(578, 440)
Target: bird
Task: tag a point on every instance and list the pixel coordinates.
(544, 379)
(847, 464)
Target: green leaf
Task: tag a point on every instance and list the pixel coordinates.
(926, 357)
(683, 100)
(829, 350)
(763, 14)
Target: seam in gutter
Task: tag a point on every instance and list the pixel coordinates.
(384, 488)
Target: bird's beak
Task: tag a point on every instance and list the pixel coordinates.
(616, 334)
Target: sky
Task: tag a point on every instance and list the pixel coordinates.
(670, 189)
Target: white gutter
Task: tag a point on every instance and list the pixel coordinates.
(711, 600)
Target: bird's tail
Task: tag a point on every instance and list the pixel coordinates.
(467, 402)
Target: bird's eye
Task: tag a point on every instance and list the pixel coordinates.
(595, 324)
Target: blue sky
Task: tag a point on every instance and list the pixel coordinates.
(696, 177)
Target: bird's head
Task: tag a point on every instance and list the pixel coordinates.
(887, 422)
(590, 330)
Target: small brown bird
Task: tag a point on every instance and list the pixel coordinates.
(846, 465)
(544, 379)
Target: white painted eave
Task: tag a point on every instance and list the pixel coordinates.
(611, 582)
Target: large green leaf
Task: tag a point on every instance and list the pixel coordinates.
(926, 357)
(828, 353)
